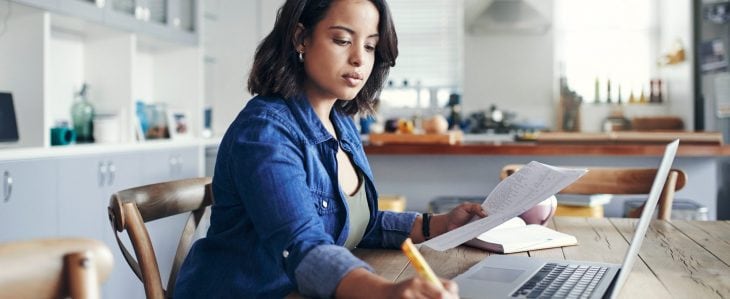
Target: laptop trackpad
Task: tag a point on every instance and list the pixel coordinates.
(496, 274)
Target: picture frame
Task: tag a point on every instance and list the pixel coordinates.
(139, 132)
(179, 124)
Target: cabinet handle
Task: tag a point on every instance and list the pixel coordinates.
(139, 12)
(102, 173)
(112, 172)
(180, 164)
(8, 186)
(173, 164)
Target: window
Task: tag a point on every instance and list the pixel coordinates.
(429, 64)
(598, 40)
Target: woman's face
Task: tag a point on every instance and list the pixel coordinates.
(340, 52)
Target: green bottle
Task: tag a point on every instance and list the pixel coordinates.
(82, 115)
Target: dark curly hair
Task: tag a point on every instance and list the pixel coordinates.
(276, 68)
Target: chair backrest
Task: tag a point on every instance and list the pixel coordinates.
(129, 210)
(622, 180)
(53, 268)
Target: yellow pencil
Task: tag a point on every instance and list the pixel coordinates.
(419, 263)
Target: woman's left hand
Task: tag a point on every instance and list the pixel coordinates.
(463, 214)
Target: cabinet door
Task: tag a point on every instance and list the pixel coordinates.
(183, 15)
(80, 203)
(45, 4)
(85, 186)
(123, 172)
(189, 163)
(124, 14)
(28, 202)
(168, 165)
(160, 166)
(85, 9)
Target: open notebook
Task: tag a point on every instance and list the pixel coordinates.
(517, 236)
(511, 197)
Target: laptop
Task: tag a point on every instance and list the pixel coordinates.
(500, 276)
(8, 125)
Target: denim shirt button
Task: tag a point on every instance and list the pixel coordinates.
(324, 204)
(285, 253)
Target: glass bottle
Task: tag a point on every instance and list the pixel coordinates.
(642, 97)
(652, 91)
(455, 111)
(82, 115)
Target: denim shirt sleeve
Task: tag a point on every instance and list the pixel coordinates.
(390, 230)
(268, 160)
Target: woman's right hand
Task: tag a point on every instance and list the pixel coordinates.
(353, 284)
(418, 287)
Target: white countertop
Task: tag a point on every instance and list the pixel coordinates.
(22, 153)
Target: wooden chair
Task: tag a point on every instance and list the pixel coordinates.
(53, 268)
(130, 209)
(622, 181)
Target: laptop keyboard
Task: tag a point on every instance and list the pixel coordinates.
(562, 281)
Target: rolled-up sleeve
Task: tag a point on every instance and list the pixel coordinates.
(323, 268)
(269, 162)
(390, 230)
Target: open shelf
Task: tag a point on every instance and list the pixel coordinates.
(48, 54)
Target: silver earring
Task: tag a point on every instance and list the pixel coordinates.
(301, 56)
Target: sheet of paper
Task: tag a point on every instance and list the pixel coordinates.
(513, 196)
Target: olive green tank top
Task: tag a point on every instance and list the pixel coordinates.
(359, 215)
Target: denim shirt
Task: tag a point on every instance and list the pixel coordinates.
(279, 218)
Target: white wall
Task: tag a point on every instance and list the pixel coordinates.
(230, 39)
(232, 31)
(66, 74)
(514, 72)
(21, 72)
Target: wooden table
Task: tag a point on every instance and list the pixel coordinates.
(680, 259)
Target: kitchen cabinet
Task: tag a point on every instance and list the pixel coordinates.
(168, 165)
(161, 166)
(28, 204)
(173, 20)
(124, 55)
(86, 9)
(45, 4)
(85, 185)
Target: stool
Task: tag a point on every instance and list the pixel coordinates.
(395, 203)
(579, 211)
(682, 209)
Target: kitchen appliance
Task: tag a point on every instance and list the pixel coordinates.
(712, 81)
(711, 71)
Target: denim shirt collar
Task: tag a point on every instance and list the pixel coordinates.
(313, 128)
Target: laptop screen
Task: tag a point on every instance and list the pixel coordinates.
(646, 215)
(8, 125)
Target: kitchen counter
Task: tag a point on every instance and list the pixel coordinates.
(546, 149)
(424, 172)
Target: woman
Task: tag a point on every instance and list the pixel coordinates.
(293, 189)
